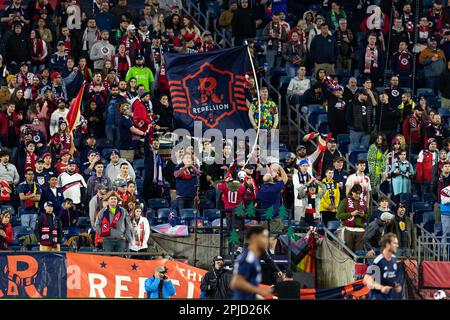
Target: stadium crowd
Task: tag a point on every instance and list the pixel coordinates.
(357, 60)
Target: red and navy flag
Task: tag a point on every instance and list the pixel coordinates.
(209, 87)
(75, 110)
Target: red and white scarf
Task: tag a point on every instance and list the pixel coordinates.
(350, 207)
(370, 59)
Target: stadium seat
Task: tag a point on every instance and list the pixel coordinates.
(406, 89)
(9, 208)
(341, 73)
(138, 164)
(187, 213)
(354, 154)
(428, 221)
(139, 183)
(322, 123)
(415, 198)
(150, 213)
(86, 249)
(163, 213)
(35, 248)
(106, 153)
(427, 92)
(211, 214)
(343, 137)
(428, 197)
(205, 204)
(333, 225)
(71, 232)
(433, 102)
(444, 111)
(15, 221)
(66, 249)
(405, 197)
(283, 147)
(157, 203)
(104, 143)
(362, 156)
(20, 231)
(84, 222)
(360, 253)
(421, 207)
(15, 248)
(314, 110)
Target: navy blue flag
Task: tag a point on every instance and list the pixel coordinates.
(209, 87)
(33, 275)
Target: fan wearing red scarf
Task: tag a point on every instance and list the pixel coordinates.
(353, 212)
(114, 226)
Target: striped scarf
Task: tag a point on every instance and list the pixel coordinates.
(122, 64)
(85, 38)
(37, 50)
(370, 59)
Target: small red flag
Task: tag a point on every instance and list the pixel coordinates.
(75, 110)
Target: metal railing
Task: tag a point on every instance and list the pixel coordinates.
(430, 247)
(297, 122)
(192, 9)
(341, 244)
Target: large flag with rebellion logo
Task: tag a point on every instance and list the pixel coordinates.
(209, 87)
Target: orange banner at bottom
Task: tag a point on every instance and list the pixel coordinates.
(92, 276)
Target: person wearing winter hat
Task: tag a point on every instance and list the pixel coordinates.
(49, 229)
(64, 157)
(433, 60)
(58, 87)
(403, 226)
(374, 231)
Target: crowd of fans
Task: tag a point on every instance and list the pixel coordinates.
(335, 54)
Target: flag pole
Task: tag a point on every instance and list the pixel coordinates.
(259, 102)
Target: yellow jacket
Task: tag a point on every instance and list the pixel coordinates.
(331, 196)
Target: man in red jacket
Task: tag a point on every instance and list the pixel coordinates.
(143, 112)
(10, 126)
(412, 130)
(425, 162)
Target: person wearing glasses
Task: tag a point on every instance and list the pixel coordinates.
(29, 195)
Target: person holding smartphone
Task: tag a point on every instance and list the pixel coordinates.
(159, 286)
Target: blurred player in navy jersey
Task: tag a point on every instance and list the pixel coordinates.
(247, 269)
(383, 276)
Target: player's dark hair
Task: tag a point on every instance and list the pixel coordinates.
(254, 231)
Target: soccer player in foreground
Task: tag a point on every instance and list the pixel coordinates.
(247, 269)
(383, 275)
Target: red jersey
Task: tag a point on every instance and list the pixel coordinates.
(233, 194)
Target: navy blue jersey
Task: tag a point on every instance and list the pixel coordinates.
(385, 273)
(247, 265)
